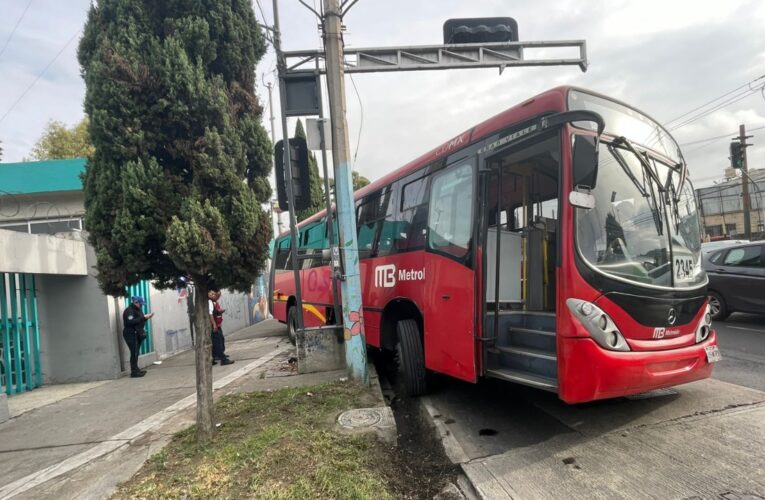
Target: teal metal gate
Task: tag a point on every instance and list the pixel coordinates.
(142, 289)
(19, 334)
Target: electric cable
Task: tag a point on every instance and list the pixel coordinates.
(15, 27)
(47, 66)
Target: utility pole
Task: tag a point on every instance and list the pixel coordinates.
(353, 314)
(281, 65)
(272, 119)
(742, 137)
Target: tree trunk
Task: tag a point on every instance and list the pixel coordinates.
(203, 358)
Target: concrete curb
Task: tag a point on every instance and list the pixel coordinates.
(476, 483)
(125, 437)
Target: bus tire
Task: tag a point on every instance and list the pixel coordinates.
(292, 324)
(717, 305)
(410, 359)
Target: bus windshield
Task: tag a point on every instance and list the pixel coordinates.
(637, 231)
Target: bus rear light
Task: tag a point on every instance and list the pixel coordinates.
(705, 326)
(599, 325)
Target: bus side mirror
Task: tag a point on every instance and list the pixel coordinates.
(585, 161)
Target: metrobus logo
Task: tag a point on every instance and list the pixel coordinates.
(660, 333)
(387, 275)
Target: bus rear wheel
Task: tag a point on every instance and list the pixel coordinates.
(292, 324)
(410, 359)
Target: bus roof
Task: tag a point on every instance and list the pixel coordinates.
(550, 100)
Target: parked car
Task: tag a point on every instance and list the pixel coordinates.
(736, 279)
(711, 246)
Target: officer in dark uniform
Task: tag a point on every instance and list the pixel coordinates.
(133, 331)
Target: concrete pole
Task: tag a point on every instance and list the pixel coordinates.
(280, 63)
(745, 184)
(353, 313)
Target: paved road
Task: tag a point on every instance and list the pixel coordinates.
(700, 440)
(742, 342)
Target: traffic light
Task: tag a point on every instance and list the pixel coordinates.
(480, 30)
(301, 181)
(736, 155)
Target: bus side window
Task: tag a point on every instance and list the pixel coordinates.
(370, 212)
(450, 221)
(410, 234)
(282, 261)
(313, 240)
(389, 224)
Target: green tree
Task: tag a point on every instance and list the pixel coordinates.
(181, 162)
(59, 142)
(317, 190)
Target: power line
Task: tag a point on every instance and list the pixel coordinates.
(29, 87)
(13, 31)
(717, 107)
(748, 84)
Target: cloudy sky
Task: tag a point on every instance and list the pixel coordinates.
(665, 57)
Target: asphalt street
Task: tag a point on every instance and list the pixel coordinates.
(742, 342)
(699, 440)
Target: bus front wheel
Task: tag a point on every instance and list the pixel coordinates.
(292, 324)
(410, 358)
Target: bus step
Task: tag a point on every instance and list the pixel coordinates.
(533, 338)
(540, 382)
(532, 353)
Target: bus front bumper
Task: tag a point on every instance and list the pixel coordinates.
(588, 372)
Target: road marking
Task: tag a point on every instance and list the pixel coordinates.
(747, 329)
(123, 438)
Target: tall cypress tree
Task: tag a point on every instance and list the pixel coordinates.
(317, 187)
(175, 185)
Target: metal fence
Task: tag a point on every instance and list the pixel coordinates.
(142, 289)
(20, 368)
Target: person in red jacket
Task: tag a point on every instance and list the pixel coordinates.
(216, 320)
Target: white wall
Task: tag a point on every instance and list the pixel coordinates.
(41, 254)
(170, 327)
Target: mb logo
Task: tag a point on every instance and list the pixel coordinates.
(385, 276)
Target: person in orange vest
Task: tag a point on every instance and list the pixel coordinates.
(216, 320)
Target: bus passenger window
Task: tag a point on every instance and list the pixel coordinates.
(412, 220)
(450, 220)
(282, 260)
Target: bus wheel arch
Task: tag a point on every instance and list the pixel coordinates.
(395, 311)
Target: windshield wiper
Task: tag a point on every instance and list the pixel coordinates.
(653, 176)
(640, 186)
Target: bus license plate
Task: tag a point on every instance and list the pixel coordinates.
(713, 354)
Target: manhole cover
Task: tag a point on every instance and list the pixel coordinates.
(362, 417)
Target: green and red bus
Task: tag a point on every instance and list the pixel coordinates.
(556, 245)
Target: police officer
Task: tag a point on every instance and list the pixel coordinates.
(133, 331)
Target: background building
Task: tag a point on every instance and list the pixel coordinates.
(56, 325)
(722, 206)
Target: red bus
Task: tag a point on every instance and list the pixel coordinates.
(555, 245)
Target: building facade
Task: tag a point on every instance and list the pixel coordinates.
(722, 207)
(56, 326)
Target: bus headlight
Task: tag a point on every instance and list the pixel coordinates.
(705, 326)
(600, 326)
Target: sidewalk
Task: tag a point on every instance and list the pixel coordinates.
(85, 441)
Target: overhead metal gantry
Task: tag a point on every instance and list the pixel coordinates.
(433, 57)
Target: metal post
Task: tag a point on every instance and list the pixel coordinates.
(331, 216)
(280, 63)
(24, 334)
(353, 313)
(36, 333)
(5, 331)
(18, 386)
(745, 184)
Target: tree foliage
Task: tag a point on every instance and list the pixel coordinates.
(358, 180)
(317, 189)
(59, 142)
(179, 172)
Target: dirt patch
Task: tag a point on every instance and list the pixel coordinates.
(285, 444)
